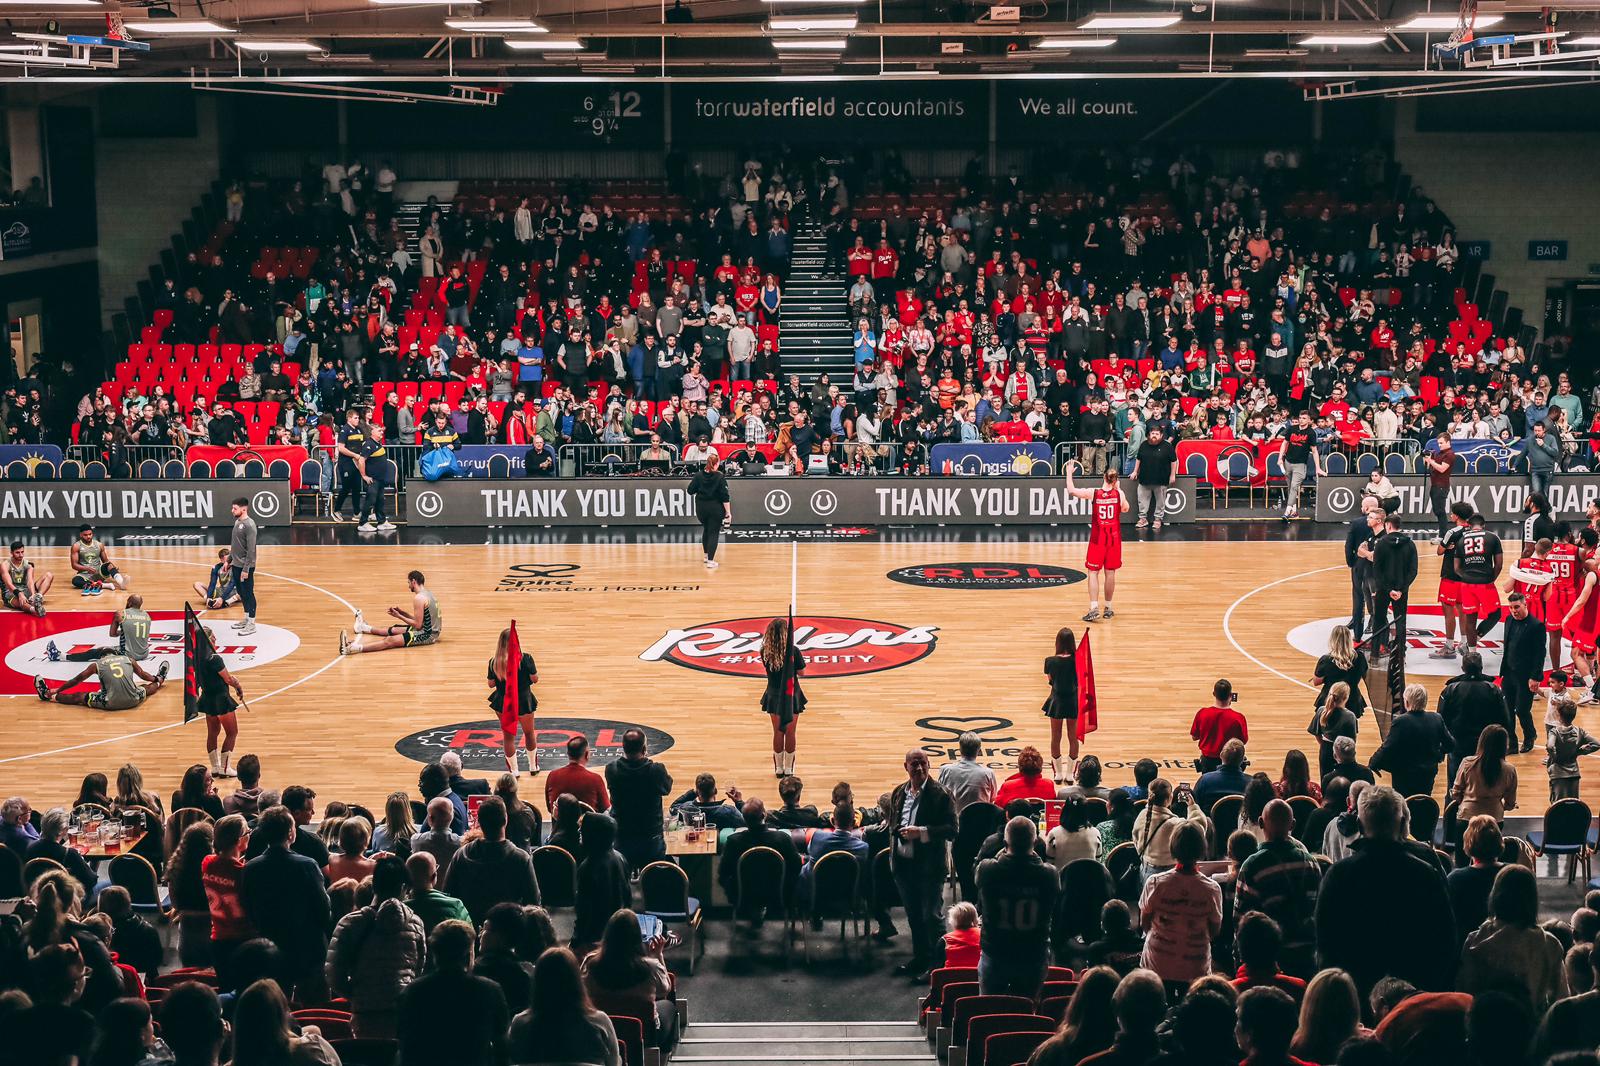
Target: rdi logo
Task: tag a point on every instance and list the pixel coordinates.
(832, 647)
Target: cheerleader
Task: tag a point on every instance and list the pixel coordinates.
(783, 699)
(1062, 704)
(527, 705)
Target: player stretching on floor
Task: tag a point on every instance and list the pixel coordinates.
(123, 685)
(1107, 505)
(131, 627)
(218, 590)
(91, 564)
(421, 625)
(21, 586)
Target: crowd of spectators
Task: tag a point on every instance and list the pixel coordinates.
(1091, 305)
(1235, 918)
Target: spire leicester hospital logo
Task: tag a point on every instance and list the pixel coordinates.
(832, 647)
(1424, 634)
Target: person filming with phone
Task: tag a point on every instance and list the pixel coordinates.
(1217, 724)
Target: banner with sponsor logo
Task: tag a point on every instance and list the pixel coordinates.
(490, 460)
(829, 112)
(1506, 455)
(1499, 497)
(31, 457)
(907, 501)
(68, 504)
(1008, 460)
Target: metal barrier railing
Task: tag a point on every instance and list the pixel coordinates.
(130, 461)
(613, 460)
(1093, 458)
(1392, 456)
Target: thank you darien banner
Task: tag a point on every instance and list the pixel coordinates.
(910, 501)
(1499, 497)
(69, 504)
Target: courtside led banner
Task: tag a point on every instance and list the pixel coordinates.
(1499, 497)
(768, 501)
(63, 504)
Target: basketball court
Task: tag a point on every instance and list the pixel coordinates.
(909, 641)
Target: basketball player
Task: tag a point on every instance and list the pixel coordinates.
(21, 586)
(217, 591)
(421, 625)
(1479, 559)
(123, 685)
(131, 627)
(242, 563)
(1525, 579)
(91, 564)
(1582, 621)
(1449, 586)
(1562, 592)
(1107, 505)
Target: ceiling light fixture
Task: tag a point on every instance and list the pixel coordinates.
(802, 23)
(494, 25)
(190, 26)
(544, 44)
(809, 44)
(287, 47)
(426, 3)
(1129, 22)
(1075, 42)
(49, 3)
(1336, 40)
(1423, 23)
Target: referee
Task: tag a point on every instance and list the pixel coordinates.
(1394, 568)
(709, 487)
(242, 563)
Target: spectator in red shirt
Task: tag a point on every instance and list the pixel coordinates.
(884, 262)
(577, 779)
(1214, 726)
(1028, 782)
(220, 873)
(860, 259)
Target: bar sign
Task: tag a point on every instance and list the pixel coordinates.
(1548, 251)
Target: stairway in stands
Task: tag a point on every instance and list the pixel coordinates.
(804, 1043)
(816, 336)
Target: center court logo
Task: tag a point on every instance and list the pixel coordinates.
(986, 575)
(479, 743)
(30, 657)
(833, 647)
(562, 577)
(1424, 633)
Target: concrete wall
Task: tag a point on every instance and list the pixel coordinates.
(1511, 187)
(145, 188)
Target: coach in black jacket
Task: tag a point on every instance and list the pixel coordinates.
(1469, 704)
(1394, 568)
(922, 818)
(1417, 742)
(1522, 665)
(286, 900)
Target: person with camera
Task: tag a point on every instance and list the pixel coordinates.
(1217, 724)
(1169, 808)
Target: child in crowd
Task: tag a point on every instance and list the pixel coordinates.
(1555, 690)
(1563, 745)
(961, 942)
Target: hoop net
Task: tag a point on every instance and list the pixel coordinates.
(1467, 15)
(114, 28)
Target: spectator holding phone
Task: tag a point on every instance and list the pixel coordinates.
(1217, 724)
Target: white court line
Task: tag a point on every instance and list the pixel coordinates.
(1227, 620)
(174, 725)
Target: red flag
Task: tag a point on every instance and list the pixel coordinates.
(513, 704)
(197, 647)
(1088, 705)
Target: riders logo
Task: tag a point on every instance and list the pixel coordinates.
(28, 638)
(832, 647)
(986, 575)
(479, 743)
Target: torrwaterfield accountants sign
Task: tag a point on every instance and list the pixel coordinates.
(766, 502)
(62, 504)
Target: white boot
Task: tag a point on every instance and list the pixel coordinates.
(1057, 773)
(225, 770)
(213, 757)
(777, 764)
(511, 764)
(788, 763)
(1072, 769)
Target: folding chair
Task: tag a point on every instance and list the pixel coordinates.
(1566, 831)
(664, 890)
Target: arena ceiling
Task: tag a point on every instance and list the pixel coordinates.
(477, 45)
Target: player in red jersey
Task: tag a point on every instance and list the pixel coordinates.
(1449, 587)
(1107, 505)
(1583, 619)
(1527, 577)
(1562, 593)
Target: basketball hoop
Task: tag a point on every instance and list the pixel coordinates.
(1465, 19)
(114, 29)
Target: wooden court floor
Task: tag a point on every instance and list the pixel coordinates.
(600, 621)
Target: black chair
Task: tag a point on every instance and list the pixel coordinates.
(1096, 810)
(884, 893)
(10, 874)
(1565, 831)
(835, 893)
(134, 873)
(1086, 887)
(973, 826)
(1303, 806)
(1225, 819)
(557, 873)
(1123, 859)
(34, 869)
(760, 890)
(664, 892)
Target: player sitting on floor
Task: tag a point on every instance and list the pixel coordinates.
(91, 564)
(420, 625)
(21, 586)
(217, 590)
(124, 685)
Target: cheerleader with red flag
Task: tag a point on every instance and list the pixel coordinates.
(1088, 704)
(1062, 705)
(512, 675)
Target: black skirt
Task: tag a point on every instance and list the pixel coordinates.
(777, 699)
(1062, 670)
